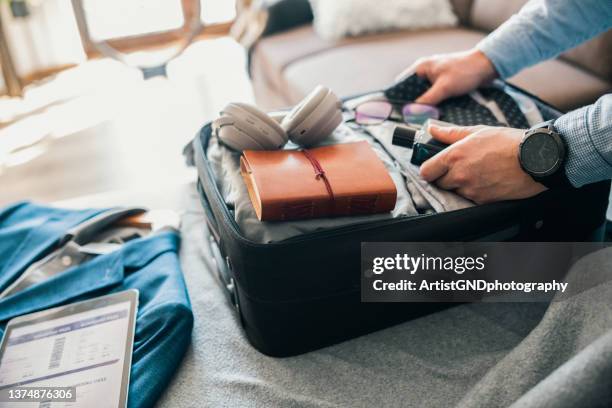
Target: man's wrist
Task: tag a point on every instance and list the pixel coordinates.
(483, 65)
(488, 50)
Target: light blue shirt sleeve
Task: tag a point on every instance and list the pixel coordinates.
(542, 30)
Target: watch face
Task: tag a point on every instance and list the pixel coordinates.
(540, 153)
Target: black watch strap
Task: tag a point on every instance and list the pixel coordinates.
(558, 180)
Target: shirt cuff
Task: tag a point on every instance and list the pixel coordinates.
(584, 163)
(508, 48)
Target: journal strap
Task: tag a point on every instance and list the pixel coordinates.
(320, 174)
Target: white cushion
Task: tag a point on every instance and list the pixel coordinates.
(334, 19)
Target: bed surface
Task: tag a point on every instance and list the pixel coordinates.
(471, 355)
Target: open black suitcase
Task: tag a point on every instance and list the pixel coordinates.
(304, 293)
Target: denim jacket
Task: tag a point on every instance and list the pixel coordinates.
(29, 232)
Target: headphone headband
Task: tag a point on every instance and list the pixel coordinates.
(244, 127)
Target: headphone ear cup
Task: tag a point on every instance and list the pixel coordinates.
(303, 109)
(244, 127)
(314, 118)
(232, 137)
(322, 130)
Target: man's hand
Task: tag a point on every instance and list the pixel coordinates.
(481, 165)
(452, 74)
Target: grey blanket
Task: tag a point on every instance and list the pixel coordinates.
(472, 355)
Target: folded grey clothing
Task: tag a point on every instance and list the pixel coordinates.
(226, 165)
(426, 196)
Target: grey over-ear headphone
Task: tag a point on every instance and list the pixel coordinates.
(244, 127)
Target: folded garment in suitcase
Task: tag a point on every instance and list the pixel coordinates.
(296, 285)
(225, 165)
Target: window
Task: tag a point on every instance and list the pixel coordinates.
(120, 18)
(217, 11)
(138, 24)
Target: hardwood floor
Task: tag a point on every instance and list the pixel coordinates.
(100, 128)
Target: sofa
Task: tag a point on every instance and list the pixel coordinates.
(287, 58)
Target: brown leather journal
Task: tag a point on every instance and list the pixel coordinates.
(329, 181)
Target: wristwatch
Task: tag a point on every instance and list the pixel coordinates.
(542, 155)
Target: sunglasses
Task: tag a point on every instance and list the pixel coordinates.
(376, 112)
